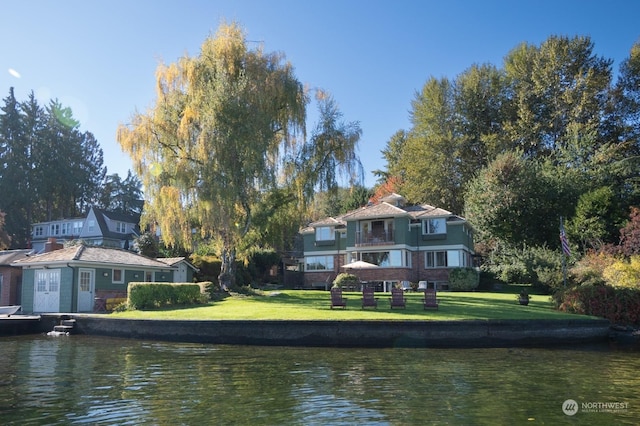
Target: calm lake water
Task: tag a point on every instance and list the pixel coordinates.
(104, 381)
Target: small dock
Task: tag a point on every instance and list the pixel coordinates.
(13, 325)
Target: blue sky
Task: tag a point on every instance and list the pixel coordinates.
(99, 57)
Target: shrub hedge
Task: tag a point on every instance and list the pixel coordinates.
(146, 295)
(618, 305)
(345, 279)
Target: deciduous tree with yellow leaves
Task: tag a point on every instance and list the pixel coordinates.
(227, 131)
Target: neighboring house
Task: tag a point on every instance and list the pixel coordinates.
(10, 277)
(69, 279)
(184, 270)
(98, 228)
(403, 243)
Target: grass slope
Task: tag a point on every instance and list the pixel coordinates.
(315, 305)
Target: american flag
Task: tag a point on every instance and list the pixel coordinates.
(565, 243)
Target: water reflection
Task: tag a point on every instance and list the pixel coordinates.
(89, 380)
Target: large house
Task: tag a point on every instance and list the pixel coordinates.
(391, 242)
(99, 228)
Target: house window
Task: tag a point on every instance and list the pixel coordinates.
(77, 228)
(66, 228)
(38, 231)
(55, 229)
(392, 258)
(446, 258)
(455, 258)
(319, 263)
(47, 280)
(434, 226)
(85, 281)
(118, 276)
(121, 227)
(375, 231)
(41, 282)
(325, 233)
(436, 259)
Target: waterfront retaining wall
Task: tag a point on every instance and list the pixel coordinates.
(472, 333)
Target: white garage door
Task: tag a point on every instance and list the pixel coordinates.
(47, 290)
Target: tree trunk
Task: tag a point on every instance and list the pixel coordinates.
(226, 279)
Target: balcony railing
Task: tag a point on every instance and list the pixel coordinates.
(374, 238)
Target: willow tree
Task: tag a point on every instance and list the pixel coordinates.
(213, 146)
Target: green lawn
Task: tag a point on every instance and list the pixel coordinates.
(315, 305)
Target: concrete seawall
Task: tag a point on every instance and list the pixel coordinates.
(472, 333)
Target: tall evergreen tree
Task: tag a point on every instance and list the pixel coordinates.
(430, 171)
(14, 153)
(49, 169)
(121, 195)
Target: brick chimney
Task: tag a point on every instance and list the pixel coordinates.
(52, 245)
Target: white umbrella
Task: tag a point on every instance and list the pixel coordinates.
(360, 264)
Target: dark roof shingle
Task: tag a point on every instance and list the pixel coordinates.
(92, 254)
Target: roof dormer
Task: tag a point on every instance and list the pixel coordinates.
(394, 199)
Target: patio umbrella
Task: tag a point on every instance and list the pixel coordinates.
(360, 264)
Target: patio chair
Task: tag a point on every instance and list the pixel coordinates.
(397, 299)
(337, 301)
(430, 300)
(368, 299)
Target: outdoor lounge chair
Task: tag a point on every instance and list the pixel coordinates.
(430, 300)
(368, 299)
(336, 298)
(397, 299)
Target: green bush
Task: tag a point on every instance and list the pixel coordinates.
(515, 273)
(208, 267)
(259, 263)
(345, 279)
(589, 270)
(539, 266)
(487, 280)
(463, 279)
(143, 295)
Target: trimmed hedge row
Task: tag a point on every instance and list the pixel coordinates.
(145, 295)
(618, 305)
